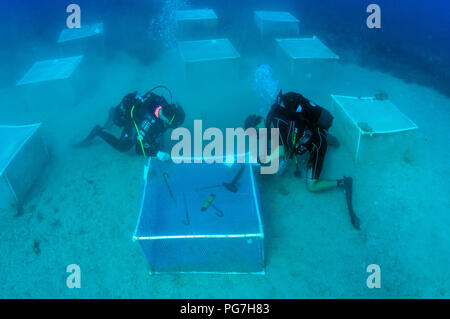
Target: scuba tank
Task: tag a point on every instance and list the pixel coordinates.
(149, 93)
(125, 106)
(301, 106)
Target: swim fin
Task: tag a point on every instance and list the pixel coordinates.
(95, 131)
(110, 121)
(347, 184)
(333, 141)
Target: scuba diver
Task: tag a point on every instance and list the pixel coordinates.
(303, 127)
(143, 120)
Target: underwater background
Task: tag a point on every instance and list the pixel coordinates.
(416, 30)
(84, 206)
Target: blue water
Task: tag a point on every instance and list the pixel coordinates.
(415, 32)
(83, 207)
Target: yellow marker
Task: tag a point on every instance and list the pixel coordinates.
(208, 202)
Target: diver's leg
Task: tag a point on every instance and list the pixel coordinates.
(314, 184)
(94, 132)
(318, 185)
(282, 166)
(122, 145)
(110, 121)
(97, 129)
(314, 168)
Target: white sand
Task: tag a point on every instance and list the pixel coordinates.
(85, 207)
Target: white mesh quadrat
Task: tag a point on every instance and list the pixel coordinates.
(198, 24)
(86, 31)
(189, 222)
(23, 154)
(305, 55)
(276, 24)
(209, 59)
(372, 128)
(88, 40)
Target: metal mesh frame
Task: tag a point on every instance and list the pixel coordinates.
(232, 245)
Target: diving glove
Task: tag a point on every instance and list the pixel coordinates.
(163, 156)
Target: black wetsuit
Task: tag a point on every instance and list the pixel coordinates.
(150, 127)
(298, 124)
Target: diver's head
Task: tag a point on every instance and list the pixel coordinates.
(127, 103)
(254, 121)
(173, 115)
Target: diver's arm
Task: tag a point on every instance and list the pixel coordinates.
(275, 154)
(110, 121)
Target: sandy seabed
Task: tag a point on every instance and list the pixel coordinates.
(84, 208)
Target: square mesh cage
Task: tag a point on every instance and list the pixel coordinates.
(306, 55)
(196, 24)
(201, 218)
(276, 24)
(86, 31)
(23, 154)
(209, 59)
(59, 78)
(89, 40)
(371, 127)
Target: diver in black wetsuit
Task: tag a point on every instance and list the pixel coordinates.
(144, 119)
(303, 128)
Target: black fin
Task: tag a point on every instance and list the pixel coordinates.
(348, 188)
(95, 131)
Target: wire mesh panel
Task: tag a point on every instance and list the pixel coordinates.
(371, 126)
(305, 55)
(88, 40)
(58, 78)
(209, 59)
(201, 218)
(22, 156)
